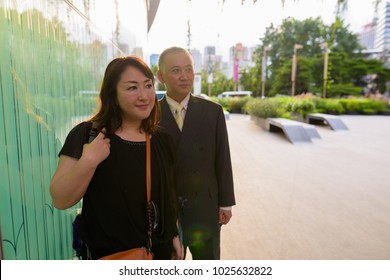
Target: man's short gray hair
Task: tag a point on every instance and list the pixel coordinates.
(161, 58)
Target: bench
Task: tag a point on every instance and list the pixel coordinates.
(295, 131)
(334, 122)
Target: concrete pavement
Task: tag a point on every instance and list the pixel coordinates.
(325, 200)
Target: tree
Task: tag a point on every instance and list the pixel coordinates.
(346, 64)
(250, 79)
(220, 83)
(282, 40)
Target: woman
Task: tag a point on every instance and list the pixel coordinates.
(109, 173)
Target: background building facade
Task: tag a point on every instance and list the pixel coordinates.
(382, 35)
(375, 36)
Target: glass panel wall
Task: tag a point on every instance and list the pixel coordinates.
(52, 59)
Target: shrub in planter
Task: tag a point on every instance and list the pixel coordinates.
(364, 106)
(369, 106)
(264, 108)
(301, 107)
(378, 106)
(331, 106)
(238, 103)
(225, 103)
(351, 106)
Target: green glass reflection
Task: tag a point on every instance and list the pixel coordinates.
(49, 82)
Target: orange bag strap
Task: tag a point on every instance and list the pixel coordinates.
(148, 190)
(148, 169)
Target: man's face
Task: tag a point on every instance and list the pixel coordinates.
(178, 75)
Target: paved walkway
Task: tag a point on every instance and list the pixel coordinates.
(325, 200)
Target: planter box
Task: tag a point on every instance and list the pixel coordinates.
(263, 123)
(297, 117)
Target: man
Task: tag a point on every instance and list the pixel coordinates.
(204, 173)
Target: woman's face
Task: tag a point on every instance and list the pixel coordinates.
(135, 95)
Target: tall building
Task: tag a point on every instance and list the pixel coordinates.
(153, 59)
(208, 55)
(197, 57)
(138, 51)
(382, 34)
(243, 55)
(209, 50)
(367, 36)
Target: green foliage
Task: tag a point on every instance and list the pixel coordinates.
(281, 81)
(339, 90)
(264, 108)
(300, 106)
(48, 82)
(250, 80)
(346, 65)
(220, 83)
(154, 69)
(305, 73)
(233, 104)
(289, 107)
(364, 106)
(331, 106)
(305, 76)
(238, 103)
(379, 106)
(224, 102)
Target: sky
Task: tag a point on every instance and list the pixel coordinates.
(224, 26)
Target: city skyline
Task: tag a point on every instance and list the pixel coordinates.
(225, 26)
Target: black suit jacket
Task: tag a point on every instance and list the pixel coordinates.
(204, 178)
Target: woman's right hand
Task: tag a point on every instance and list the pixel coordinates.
(72, 177)
(98, 150)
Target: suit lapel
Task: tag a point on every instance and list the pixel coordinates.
(190, 126)
(168, 122)
(182, 139)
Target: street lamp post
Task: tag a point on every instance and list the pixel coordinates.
(294, 68)
(325, 47)
(209, 74)
(238, 55)
(263, 71)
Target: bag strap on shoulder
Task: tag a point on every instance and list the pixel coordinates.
(148, 191)
(92, 132)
